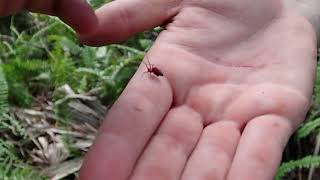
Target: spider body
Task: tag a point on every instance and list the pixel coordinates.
(152, 69)
(155, 71)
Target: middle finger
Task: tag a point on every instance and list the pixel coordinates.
(213, 156)
(169, 149)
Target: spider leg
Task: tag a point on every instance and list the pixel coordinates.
(150, 65)
(144, 73)
(145, 64)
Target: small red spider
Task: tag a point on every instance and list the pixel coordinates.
(152, 69)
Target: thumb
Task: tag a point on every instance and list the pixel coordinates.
(309, 9)
(77, 13)
(121, 19)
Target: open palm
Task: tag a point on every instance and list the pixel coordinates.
(238, 77)
(237, 82)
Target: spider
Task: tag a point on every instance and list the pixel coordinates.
(152, 69)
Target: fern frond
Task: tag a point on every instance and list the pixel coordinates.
(7, 150)
(22, 172)
(4, 104)
(15, 127)
(308, 128)
(306, 162)
(11, 166)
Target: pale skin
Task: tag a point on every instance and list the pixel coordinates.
(238, 77)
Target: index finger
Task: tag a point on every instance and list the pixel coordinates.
(128, 127)
(122, 19)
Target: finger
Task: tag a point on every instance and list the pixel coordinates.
(123, 18)
(127, 129)
(214, 153)
(169, 149)
(260, 148)
(77, 13)
(9, 7)
(309, 9)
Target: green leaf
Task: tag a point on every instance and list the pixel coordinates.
(3, 92)
(308, 128)
(306, 162)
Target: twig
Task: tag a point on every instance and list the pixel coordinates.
(74, 96)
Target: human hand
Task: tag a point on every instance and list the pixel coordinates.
(310, 9)
(77, 13)
(238, 77)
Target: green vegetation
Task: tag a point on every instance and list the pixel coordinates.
(306, 162)
(11, 167)
(307, 157)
